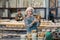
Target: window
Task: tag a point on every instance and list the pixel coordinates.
(58, 12)
(40, 12)
(10, 7)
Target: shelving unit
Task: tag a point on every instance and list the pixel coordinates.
(9, 29)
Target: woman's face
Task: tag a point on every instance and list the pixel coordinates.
(29, 12)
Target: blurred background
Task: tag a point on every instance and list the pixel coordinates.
(10, 29)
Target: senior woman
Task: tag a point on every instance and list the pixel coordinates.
(30, 21)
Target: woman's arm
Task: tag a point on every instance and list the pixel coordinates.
(27, 24)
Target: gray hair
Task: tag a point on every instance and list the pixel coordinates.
(30, 8)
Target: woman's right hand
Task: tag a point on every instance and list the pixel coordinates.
(34, 21)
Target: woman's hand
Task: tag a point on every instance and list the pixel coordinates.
(34, 21)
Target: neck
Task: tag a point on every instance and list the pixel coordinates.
(29, 15)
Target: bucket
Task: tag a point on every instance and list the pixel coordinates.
(23, 37)
(34, 36)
